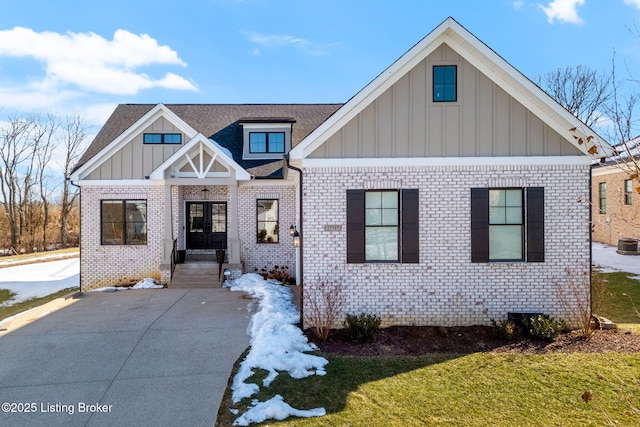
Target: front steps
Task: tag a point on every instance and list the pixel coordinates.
(197, 274)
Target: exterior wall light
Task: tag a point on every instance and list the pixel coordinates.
(205, 193)
(296, 239)
(292, 230)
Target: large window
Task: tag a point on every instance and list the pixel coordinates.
(123, 222)
(507, 224)
(445, 83)
(628, 192)
(268, 221)
(266, 142)
(382, 226)
(162, 138)
(603, 198)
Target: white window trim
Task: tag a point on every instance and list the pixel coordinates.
(265, 127)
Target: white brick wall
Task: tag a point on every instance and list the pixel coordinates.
(111, 264)
(445, 288)
(258, 255)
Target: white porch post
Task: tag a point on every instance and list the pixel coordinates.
(233, 238)
(167, 240)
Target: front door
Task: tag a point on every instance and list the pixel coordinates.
(206, 225)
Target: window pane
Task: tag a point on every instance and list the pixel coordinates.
(276, 142)
(497, 198)
(136, 222)
(152, 138)
(381, 244)
(172, 138)
(390, 199)
(513, 215)
(505, 242)
(513, 197)
(497, 215)
(258, 142)
(373, 199)
(389, 216)
(373, 217)
(267, 221)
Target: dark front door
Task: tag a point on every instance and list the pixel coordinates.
(206, 225)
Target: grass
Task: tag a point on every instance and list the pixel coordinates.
(29, 304)
(480, 389)
(622, 303)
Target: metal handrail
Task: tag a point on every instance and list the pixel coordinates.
(174, 254)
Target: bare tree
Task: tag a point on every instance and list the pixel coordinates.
(584, 92)
(16, 157)
(74, 134)
(45, 143)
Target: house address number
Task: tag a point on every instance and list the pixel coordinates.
(329, 227)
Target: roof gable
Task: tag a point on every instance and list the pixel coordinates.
(123, 138)
(198, 158)
(476, 53)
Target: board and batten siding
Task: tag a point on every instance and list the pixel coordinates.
(405, 122)
(136, 160)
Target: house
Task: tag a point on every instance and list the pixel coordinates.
(616, 194)
(449, 191)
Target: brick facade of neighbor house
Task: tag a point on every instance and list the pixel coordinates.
(619, 219)
(109, 265)
(445, 287)
(260, 255)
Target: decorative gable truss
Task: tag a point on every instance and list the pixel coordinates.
(200, 158)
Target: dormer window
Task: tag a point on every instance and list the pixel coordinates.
(266, 142)
(266, 138)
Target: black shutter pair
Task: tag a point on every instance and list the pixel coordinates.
(409, 227)
(534, 199)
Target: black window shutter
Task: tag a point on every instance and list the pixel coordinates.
(535, 224)
(410, 226)
(479, 225)
(355, 226)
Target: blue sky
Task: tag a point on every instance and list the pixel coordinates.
(85, 57)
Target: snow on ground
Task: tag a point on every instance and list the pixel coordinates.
(41, 279)
(608, 260)
(277, 345)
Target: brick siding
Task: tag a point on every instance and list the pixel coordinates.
(623, 220)
(445, 288)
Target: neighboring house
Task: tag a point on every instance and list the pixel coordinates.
(448, 191)
(616, 196)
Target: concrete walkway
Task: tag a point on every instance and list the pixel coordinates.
(157, 357)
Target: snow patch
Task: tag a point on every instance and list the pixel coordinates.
(147, 283)
(276, 345)
(275, 408)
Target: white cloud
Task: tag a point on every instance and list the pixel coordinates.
(90, 62)
(563, 11)
(518, 4)
(635, 3)
(276, 41)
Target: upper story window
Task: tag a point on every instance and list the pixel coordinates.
(266, 142)
(162, 138)
(445, 87)
(266, 138)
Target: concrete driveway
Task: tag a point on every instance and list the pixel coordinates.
(137, 357)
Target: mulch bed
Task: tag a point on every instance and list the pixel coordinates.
(415, 341)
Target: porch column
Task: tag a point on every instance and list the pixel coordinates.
(167, 240)
(233, 238)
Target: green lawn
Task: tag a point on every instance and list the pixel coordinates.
(622, 303)
(481, 389)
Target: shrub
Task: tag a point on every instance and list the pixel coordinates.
(363, 327)
(324, 302)
(279, 273)
(505, 329)
(545, 328)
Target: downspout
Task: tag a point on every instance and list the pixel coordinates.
(301, 284)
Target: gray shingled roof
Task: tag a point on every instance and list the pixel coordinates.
(220, 122)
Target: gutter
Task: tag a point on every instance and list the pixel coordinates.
(301, 284)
